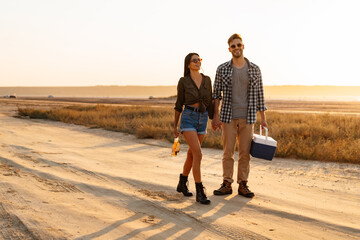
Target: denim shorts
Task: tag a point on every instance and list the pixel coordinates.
(193, 121)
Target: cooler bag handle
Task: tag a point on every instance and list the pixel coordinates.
(266, 133)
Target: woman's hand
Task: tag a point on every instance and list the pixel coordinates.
(176, 133)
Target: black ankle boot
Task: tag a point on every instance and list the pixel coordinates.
(182, 186)
(200, 194)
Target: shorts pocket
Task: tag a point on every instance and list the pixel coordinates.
(187, 112)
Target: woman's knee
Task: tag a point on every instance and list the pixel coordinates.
(189, 152)
(197, 154)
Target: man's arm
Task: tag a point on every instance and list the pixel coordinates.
(261, 102)
(263, 122)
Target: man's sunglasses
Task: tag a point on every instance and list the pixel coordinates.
(237, 45)
(196, 60)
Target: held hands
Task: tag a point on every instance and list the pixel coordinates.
(216, 123)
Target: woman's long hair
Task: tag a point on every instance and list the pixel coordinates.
(187, 62)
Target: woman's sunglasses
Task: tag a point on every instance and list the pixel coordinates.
(196, 60)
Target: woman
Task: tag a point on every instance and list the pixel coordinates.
(195, 92)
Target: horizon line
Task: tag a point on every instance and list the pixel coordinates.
(288, 85)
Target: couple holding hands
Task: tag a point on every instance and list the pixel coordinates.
(239, 85)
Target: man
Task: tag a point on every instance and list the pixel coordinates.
(239, 85)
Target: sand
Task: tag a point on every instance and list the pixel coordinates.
(61, 181)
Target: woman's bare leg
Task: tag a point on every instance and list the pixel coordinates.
(194, 155)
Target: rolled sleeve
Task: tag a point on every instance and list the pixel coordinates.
(217, 85)
(261, 100)
(180, 97)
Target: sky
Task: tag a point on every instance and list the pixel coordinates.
(142, 42)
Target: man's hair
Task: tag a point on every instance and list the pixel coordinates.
(234, 36)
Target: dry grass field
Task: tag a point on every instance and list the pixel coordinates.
(343, 107)
(315, 136)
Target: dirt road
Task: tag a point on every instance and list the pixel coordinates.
(60, 181)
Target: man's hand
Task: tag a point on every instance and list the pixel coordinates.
(264, 124)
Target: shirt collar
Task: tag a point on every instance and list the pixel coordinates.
(229, 63)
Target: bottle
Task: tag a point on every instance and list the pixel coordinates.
(175, 147)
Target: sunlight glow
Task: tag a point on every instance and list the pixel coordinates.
(87, 43)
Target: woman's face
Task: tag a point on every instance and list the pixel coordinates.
(195, 63)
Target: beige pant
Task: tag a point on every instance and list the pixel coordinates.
(244, 132)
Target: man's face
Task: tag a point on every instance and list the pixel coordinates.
(236, 47)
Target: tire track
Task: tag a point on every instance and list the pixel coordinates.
(220, 231)
(12, 228)
(56, 185)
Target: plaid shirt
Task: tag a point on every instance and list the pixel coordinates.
(223, 83)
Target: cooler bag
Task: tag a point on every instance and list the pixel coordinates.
(263, 146)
